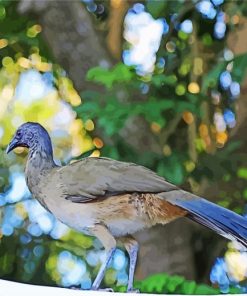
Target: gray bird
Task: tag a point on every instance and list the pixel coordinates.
(111, 199)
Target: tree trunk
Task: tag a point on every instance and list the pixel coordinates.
(166, 249)
(69, 31)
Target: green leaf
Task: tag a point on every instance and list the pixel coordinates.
(186, 106)
(245, 194)
(162, 79)
(107, 77)
(155, 8)
(154, 283)
(100, 75)
(235, 290)
(90, 95)
(122, 73)
(120, 289)
(206, 290)
(154, 108)
(242, 173)
(174, 282)
(188, 287)
(172, 169)
(224, 203)
(162, 283)
(211, 79)
(239, 68)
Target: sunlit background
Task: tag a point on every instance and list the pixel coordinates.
(178, 72)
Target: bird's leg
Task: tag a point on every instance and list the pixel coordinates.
(109, 243)
(132, 247)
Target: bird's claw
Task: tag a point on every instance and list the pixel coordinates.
(104, 290)
(74, 288)
(133, 291)
(92, 289)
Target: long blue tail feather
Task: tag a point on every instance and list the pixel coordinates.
(215, 217)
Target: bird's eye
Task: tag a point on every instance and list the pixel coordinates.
(18, 134)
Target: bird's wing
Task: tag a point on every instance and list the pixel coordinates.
(96, 177)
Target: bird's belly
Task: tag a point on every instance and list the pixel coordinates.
(117, 213)
(77, 216)
(121, 227)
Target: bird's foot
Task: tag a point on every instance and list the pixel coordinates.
(133, 291)
(74, 288)
(103, 290)
(93, 289)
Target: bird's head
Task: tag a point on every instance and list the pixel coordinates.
(30, 135)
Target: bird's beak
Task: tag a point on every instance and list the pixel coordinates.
(12, 145)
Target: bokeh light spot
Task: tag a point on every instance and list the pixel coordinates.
(98, 142)
(180, 89)
(225, 80)
(186, 26)
(235, 89)
(194, 88)
(89, 125)
(3, 43)
(188, 117)
(155, 127)
(229, 118)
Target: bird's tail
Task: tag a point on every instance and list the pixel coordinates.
(217, 218)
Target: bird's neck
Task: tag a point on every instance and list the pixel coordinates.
(40, 158)
(40, 162)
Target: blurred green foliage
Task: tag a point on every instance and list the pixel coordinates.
(176, 102)
(162, 283)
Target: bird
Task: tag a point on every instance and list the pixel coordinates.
(111, 199)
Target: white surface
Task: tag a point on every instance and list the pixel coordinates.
(8, 288)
